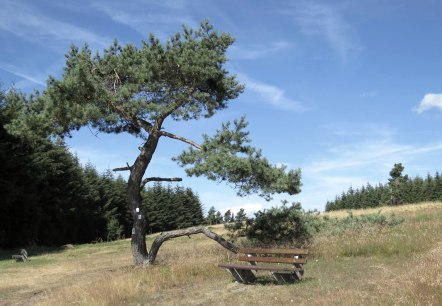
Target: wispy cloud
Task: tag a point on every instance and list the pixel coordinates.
(369, 94)
(374, 130)
(29, 24)
(252, 52)
(367, 160)
(168, 16)
(272, 95)
(326, 21)
(15, 71)
(430, 100)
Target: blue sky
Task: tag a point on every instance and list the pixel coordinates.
(341, 89)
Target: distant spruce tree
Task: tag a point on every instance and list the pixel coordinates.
(228, 216)
(211, 216)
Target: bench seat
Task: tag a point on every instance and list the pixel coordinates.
(283, 272)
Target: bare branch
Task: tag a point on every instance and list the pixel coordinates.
(160, 179)
(122, 169)
(127, 168)
(173, 136)
(163, 237)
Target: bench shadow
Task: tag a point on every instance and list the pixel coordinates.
(264, 280)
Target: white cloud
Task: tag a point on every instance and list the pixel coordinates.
(272, 95)
(430, 100)
(327, 22)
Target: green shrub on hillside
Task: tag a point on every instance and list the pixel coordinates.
(280, 225)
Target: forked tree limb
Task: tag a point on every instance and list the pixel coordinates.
(163, 237)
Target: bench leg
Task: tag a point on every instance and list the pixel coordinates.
(283, 278)
(299, 271)
(243, 276)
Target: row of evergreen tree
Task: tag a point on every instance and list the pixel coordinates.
(400, 189)
(48, 198)
(168, 208)
(215, 217)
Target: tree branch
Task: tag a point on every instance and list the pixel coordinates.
(122, 169)
(160, 179)
(173, 136)
(127, 168)
(163, 237)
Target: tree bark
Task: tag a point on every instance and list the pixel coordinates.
(137, 170)
(163, 237)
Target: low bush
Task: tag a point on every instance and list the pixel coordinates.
(283, 225)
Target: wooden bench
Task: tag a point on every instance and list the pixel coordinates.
(285, 265)
(22, 257)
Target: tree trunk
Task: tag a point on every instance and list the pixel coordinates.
(163, 237)
(138, 242)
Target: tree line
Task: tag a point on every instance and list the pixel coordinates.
(400, 189)
(49, 198)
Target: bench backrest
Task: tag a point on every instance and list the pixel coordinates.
(289, 256)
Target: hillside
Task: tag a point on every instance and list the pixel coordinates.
(372, 265)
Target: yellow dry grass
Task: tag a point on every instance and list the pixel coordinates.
(402, 209)
(401, 265)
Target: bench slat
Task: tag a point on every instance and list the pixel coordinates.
(274, 251)
(272, 259)
(256, 268)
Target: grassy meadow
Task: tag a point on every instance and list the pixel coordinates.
(372, 265)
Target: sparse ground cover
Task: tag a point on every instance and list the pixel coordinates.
(371, 265)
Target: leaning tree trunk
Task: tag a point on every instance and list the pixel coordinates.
(137, 170)
(138, 242)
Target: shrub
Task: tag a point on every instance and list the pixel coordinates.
(283, 225)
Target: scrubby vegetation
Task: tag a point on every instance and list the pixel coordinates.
(291, 225)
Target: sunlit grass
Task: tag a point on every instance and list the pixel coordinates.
(374, 265)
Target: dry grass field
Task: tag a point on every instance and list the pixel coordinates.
(374, 265)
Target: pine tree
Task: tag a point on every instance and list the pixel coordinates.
(211, 216)
(135, 90)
